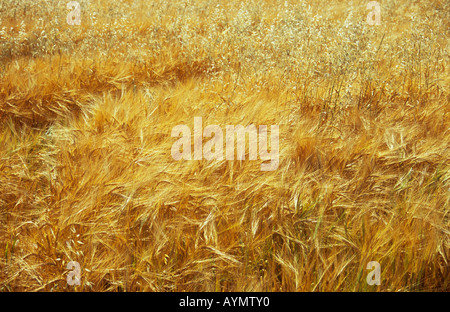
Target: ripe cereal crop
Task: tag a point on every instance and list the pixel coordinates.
(88, 179)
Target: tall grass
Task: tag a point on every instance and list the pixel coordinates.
(86, 172)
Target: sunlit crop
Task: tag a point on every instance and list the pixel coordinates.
(87, 175)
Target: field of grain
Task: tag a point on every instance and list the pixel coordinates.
(87, 175)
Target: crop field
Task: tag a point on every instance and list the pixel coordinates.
(117, 172)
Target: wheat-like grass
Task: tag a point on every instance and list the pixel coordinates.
(86, 172)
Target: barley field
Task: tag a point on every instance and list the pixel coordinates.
(87, 175)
